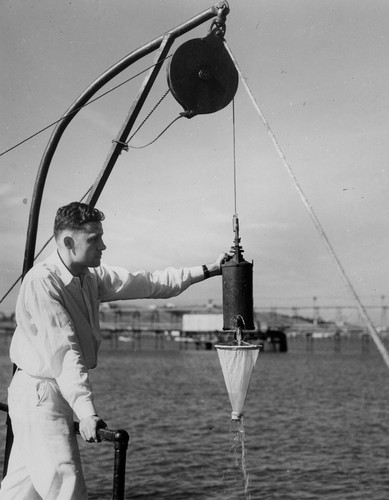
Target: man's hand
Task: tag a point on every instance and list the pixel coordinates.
(215, 267)
(223, 258)
(88, 427)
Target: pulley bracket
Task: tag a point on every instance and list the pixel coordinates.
(202, 76)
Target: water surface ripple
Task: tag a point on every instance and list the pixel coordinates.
(316, 424)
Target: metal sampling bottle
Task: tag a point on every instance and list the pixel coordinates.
(237, 275)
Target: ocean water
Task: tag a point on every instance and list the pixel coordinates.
(316, 424)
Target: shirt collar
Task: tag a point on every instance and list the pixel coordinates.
(64, 273)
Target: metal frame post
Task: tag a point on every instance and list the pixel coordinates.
(120, 439)
(78, 105)
(119, 143)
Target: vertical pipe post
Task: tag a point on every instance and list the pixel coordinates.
(119, 474)
(120, 439)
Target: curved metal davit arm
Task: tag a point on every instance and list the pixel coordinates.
(78, 105)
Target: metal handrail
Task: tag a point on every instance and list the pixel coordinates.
(120, 439)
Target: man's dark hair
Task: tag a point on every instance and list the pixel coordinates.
(74, 216)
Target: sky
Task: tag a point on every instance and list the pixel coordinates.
(319, 73)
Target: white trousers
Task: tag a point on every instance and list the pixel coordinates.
(45, 460)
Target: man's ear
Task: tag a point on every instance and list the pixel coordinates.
(68, 242)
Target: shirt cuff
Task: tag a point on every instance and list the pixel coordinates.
(197, 274)
(84, 409)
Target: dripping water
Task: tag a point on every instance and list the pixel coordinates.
(236, 478)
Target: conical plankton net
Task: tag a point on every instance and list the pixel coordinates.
(237, 364)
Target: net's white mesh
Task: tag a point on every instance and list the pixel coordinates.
(237, 364)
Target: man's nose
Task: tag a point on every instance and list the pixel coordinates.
(102, 245)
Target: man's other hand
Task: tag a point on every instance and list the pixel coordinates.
(89, 426)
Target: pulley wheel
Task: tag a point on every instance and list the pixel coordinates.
(201, 75)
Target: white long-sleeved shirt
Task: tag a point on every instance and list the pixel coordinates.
(57, 316)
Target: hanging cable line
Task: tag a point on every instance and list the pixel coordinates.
(371, 328)
(158, 136)
(145, 120)
(77, 110)
(234, 155)
(148, 116)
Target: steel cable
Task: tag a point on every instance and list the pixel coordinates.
(371, 328)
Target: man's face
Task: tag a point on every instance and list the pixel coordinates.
(88, 245)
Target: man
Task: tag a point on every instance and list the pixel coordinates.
(54, 346)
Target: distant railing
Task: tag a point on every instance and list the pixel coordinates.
(120, 439)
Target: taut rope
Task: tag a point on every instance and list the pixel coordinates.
(371, 328)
